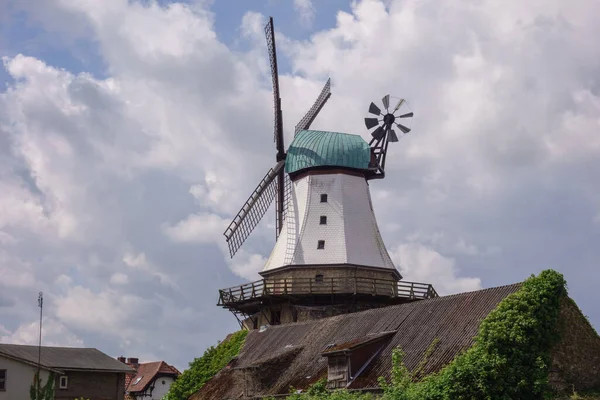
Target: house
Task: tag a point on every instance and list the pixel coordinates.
(78, 372)
(353, 350)
(150, 381)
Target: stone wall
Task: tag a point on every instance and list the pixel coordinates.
(576, 357)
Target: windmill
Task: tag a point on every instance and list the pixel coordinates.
(275, 183)
(329, 255)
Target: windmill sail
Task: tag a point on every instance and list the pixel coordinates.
(278, 131)
(278, 123)
(253, 210)
(314, 110)
(275, 184)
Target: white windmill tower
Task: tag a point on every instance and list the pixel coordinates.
(329, 257)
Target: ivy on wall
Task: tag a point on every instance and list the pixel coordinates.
(202, 369)
(39, 392)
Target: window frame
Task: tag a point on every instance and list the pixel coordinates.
(324, 198)
(320, 245)
(63, 384)
(3, 380)
(323, 220)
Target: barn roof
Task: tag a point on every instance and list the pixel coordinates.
(454, 320)
(65, 358)
(327, 149)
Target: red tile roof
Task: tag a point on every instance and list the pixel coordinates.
(147, 372)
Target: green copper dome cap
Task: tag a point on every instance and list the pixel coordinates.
(311, 149)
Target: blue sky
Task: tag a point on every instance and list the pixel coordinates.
(18, 34)
(131, 133)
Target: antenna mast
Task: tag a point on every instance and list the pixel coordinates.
(41, 306)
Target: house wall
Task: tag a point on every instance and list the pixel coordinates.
(19, 377)
(337, 371)
(92, 386)
(161, 387)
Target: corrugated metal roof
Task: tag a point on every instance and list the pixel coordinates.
(65, 358)
(454, 320)
(321, 148)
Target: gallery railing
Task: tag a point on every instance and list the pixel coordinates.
(325, 286)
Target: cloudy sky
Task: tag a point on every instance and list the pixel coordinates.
(132, 131)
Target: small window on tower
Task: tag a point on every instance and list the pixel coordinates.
(323, 220)
(324, 198)
(275, 317)
(319, 278)
(321, 244)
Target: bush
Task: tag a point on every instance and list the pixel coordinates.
(510, 358)
(202, 369)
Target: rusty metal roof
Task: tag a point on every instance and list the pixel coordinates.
(454, 320)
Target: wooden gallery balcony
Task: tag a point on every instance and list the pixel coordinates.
(252, 297)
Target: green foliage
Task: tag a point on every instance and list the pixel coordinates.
(205, 367)
(511, 355)
(39, 392)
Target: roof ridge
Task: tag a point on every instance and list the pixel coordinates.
(48, 347)
(478, 290)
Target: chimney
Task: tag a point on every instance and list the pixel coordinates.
(122, 359)
(133, 362)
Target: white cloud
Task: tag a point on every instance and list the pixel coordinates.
(119, 278)
(305, 10)
(143, 266)
(15, 272)
(198, 228)
(111, 310)
(497, 179)
(247, 265)
(54, 333)
(6, 239)
(419, 263)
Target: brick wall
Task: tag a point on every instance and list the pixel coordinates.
(92, 386)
